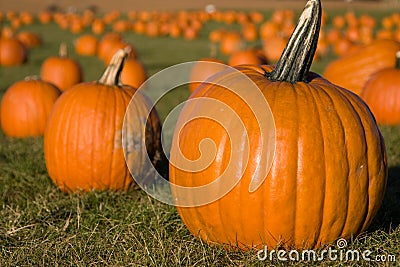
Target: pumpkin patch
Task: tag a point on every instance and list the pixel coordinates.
(90, 144)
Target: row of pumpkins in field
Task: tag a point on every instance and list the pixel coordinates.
(327, 142)
(339, 33)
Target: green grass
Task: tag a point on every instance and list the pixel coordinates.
(41, 226)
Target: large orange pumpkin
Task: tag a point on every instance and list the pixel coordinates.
(382, 94)
(61, 70)
(353, 69)
(26, 106)
(328, 175)
(83, 144)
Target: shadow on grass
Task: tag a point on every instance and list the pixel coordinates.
(388, 216)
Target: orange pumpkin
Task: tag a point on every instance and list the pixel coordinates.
(273, 47)
(83, 144)
(250, 32)
(61, 70)
(354, 69)
(382, 94)
(12, 52)
(200, 71)
(106, 42)
(249, 56)
(133, 73)
(86, 45)
(327, 177)
(29, 39)
(25, 107)
(110, 44)
(98, 26)
(231, 42)
(45, 17)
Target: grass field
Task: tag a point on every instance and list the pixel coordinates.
(41, 226)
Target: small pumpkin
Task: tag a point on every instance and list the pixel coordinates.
(382, 94)
(328, 146)
(354, 69)
(61, 70)
(45, 17)
(25, 107)
(134, 73)
(29, 39)
(231, 42)
(98, 26)
(83, 144)
(86, 45)
(12, 52)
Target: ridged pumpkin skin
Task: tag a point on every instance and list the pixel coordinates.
(26, 106)
(354, 69)
(382, 94)
(328, 176)
(324, 182)
(61, 70)
(83, 141)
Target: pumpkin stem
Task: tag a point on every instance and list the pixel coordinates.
(296, 59)
(112, 73)
(63, 51)
(32, 78)
(397, 66)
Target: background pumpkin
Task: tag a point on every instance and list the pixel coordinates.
(249, 56)
(200, 71)
(322, 135)
(12, 51)
(353, 70)
(61, 70)
(133, 73)
(26, 106)
(83, 141)
(29, 39)
(86, 45)
(382, 94)
(231, 42)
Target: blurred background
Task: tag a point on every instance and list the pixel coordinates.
(104, 5)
